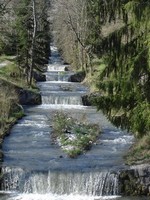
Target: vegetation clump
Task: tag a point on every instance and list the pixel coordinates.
(12, 83)
(73, 136)
(140, 151)
(10, 110)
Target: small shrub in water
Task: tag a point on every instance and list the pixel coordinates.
(73, 137)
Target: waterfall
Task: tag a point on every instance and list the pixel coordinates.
(61, 99)
(65, 94)
(35, 166)
(58, 76)
(81, 183)
(56, 68)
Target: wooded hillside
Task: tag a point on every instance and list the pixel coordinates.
(25, 33)
(110, 41)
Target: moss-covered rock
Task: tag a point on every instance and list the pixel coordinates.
(77, 77)
(89, 99)
(29, 97)
(39, 76)
(135, 181)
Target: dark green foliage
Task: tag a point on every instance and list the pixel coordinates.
(140, 119)
(125, 81)
(16, 35)
(23, 26)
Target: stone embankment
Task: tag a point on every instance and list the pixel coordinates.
(29, 97)
(135, 181)
(77, 77)
(26, 96)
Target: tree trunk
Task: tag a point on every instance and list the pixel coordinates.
(33, 42)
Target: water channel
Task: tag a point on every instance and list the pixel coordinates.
(34, 168)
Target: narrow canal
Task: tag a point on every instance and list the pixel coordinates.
(34, 168)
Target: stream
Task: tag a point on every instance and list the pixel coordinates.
(35, 168)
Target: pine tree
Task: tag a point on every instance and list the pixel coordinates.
(32, 29)
(125, 80)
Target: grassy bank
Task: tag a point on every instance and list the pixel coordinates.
(10, 79)
(139, 153)
(10, 111)
(73, 136)
(13, 74)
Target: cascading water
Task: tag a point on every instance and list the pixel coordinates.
(89, 183)
(35, 168)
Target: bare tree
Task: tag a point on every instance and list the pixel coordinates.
(70, 25)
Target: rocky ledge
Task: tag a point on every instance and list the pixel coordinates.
(88, 99)
(39, 76)
(26, 96)
(29, 97)
(135, 181)
(77, 77)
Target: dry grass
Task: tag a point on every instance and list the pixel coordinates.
(10, 73)
(140, 151)
(8, 102)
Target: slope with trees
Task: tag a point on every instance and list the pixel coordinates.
(25, 33)
(24, 49)
(116, 43)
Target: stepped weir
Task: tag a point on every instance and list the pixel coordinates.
(35, 168)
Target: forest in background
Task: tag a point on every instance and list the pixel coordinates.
(108, 40)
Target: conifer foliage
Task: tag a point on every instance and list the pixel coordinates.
(112, 39)
(30, 35)
(125, 50)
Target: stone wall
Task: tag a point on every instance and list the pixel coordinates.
(135, 181)
(88, 99)
(27, 97)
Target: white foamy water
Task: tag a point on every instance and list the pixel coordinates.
(61, 99)
(58, 68)
(121, 140)
(39, 124)
(62, 107)
(59, 197)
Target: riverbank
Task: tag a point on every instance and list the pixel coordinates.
(14, 92)
(139, 153)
